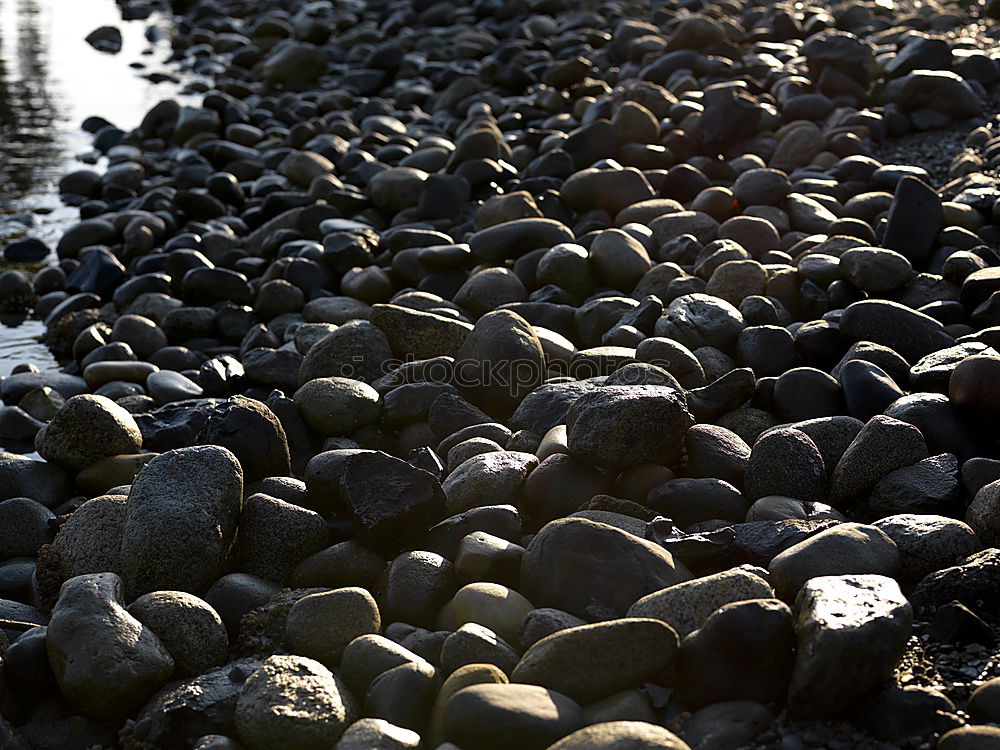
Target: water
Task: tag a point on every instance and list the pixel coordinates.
(50, 81)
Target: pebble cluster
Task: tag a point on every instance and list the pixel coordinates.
(519, 374)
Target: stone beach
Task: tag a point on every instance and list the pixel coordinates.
(519, 374)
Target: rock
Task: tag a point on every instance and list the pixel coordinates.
(252, 432)
(417, 586)
(397, 188)
(358, 350)
(956, 623)
(725, 725)
(417, 334)
(90, 541)
(106, 39)
(801, 143)
(686, 606)
(619, 259)
(512, 238)
(343, 564)
(743, 651)
(104, 660)
(908, 712)
(574, 661)
(369, 656)
(488, 289)
(338, 406)
(689, 501)
(785, 461)
(621, 426)
(548, 405)
(378, 733)
(16, 386)
(389, 499)
(928, 485)
(915, 218)
(29, 250)
(970, 738)
(939, 90)
(484, 557)
(37, 480)
(166, 387)
(499, 363)
(273, 368)
(859, 623)
(767, 187)
(968, 384)
(497, 607)
(908, 332)
(967, 583)
(875, 270)
(928, 543)
(472, 643)
(166, 545)
(183, 712)
(187, 627)
(495, 717)
(845, 549)
(321, 625)
(593, 570)
(274, 536)
(293, 701)
(696, 320)
(983, 513)
(25, 525)
(539, 623)
(87, 429)
(627, 735)
(714, 451)
(984, 703)
(883, 445)
(494, 478)
(294, 62)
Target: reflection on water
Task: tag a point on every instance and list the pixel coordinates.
(28, 148)
(50, 81)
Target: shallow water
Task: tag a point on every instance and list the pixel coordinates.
(50, 81)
